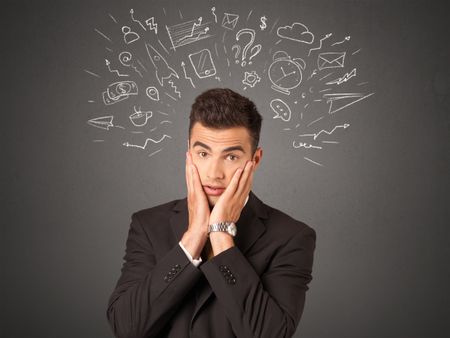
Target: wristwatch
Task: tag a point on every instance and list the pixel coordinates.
(229, 227)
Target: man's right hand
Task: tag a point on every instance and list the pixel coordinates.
(195, 237)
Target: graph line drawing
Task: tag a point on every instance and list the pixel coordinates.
(296, 32)
(162, 69)
(133, 19)
(108, 65)
(347, 38)
(140, 118)
(281, 110)
(316, 135)
(339, 101)
(127, 144)
(304, 145)
(202, 63)
(213, 11)
(187, 32)
(183, 65)
(343, 79)
(320, 43)
(103, 122)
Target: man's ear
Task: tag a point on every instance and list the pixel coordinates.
(188, 144)
(257, 156)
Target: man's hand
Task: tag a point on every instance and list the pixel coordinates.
(230, 204)
(195, 237)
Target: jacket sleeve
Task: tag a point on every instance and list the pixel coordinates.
(266, 306)
(148, 291)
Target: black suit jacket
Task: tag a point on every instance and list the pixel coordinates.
(254, 289)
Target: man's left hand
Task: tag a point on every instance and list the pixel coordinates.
(230, 204)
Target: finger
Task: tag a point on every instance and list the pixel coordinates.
(233, 185)
(196, 182)
(243, 182)
(189, 177)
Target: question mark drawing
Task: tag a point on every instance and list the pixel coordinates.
(236, 54)
(255, 49)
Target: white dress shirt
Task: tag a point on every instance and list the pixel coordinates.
(197, 262)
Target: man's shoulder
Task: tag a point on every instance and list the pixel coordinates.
(280, 221)
(157, 211)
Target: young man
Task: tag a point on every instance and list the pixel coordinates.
(218, 263)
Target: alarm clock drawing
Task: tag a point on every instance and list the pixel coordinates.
(285, 73)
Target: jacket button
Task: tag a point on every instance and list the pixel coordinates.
(177, 266)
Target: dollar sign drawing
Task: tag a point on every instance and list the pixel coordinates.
(263, 25)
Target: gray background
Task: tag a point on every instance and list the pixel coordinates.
(380, 203)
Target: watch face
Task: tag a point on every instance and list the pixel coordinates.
(232, 229)
(285, 74)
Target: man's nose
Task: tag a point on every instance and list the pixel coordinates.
(215, 170)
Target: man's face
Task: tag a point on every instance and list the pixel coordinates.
(217, 154)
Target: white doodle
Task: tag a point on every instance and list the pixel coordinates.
(316, 135)
(127, 144)
(202, 63)
(92, 73)
(281, 110)
(104, 122)
(150, 22)
(343, 79)
(229, 21)
(188, 32)
(162, 69)
(251, 79)
(320, 43)
(253, 51)
(263, 24)
(305, 145)
(128, 35)
(133, 19)
(183, 65)
(213, 11)
(152, 93)
(102, 34)
(347, 38)
(176, 91)
(126, 59)
(296, 32)
(140, 118)
(119, 91)
(108, 65)
(339, 101)
(331, 60)
(316, 163)
(155, 152)
(285, 73)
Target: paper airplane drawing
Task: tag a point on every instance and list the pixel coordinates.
(104, 122)
(339, 101)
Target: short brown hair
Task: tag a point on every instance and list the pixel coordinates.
(223, 108)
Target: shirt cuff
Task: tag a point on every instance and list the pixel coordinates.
(196, 262)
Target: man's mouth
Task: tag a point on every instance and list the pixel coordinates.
(213, 190)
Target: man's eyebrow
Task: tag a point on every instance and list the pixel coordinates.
(201, 144)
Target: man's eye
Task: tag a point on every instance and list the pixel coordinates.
(202, 153)
(233, 157)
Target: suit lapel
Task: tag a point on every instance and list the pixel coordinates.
(249, 228)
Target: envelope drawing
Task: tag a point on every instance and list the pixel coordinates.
(202, 63)
(330, 60)
(229, 20)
